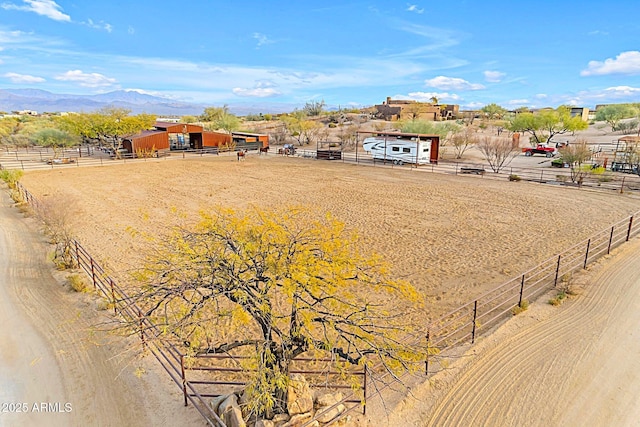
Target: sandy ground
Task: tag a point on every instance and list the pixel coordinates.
(573, 365)
(56, 367)
(452, 237)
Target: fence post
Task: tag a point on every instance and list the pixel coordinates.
(622, 185)
(610, 240)
(555, 281)
(475, 315)
(629, 230)
(586, 255)
(113, 297)
(77, 253)
(426, 360)
(184, 380)
(521, 291)
(93, 273)
(364, 390)
(541, 174)
(144, 344)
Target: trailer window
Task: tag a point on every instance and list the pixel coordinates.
(406, 150)
(395, 148)
(425, 149)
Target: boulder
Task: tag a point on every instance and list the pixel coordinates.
(299, 396)
(230, 412)
(325, 414)
(265, 423)
(216, 401)
(300, 420)
(328, 399)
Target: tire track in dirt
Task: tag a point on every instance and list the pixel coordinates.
(535, 376)
(51, 352)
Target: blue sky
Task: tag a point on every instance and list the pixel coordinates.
(514, 53)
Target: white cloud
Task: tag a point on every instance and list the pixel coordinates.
(625, 63)
(48, 8)
(414, 8)
(131, 30)
(518, 102)
(426, 96)
(86, 79)
(541, 96)
(621, 91)
(452, 83)
(493, 76)
(98, 25)
(262, 39)
(23, 78)
(262, 89)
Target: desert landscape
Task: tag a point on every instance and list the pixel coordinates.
(453, 237)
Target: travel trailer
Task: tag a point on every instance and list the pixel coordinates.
(399, 151)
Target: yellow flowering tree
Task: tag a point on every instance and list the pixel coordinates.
(278, 283)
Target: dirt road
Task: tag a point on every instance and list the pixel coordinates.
(577, 364)
(55, 368)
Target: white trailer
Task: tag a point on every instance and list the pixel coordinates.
(399, 151)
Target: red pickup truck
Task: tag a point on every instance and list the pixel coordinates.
(540, 149)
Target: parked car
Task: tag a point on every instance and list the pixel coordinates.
(540, 149)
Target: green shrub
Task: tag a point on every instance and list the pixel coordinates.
(558, 299)
(514, 177)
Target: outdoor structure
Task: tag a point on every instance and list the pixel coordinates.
(396, 109)
(627, 155)
(401, 147)
(581, 112)
(168, 136)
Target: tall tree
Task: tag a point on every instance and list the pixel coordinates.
(493, 111)
(612, 114)
(55, 139)
(314, 108)
(546, 124)
(272, 285)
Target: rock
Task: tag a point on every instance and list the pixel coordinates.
(329, 399)
(216, 401)
(230, 412)
(300, 420)
(281, 419)
(326, 414)
(265, 423)
(299, 396)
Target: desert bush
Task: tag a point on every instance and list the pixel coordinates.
(11, 177)
(77, 282)
(56, 216)
(146, 153)
(514, 177)
(558, 299)
(519, 308)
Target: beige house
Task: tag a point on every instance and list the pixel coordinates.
(401, 109)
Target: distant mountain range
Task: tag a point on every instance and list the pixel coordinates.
(43, 101)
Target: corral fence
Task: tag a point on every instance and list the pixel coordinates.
(608, 181)
(465, 323)
(38, 158)
(461, 326)
(204, 375)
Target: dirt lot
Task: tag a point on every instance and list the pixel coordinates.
(452, 237)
